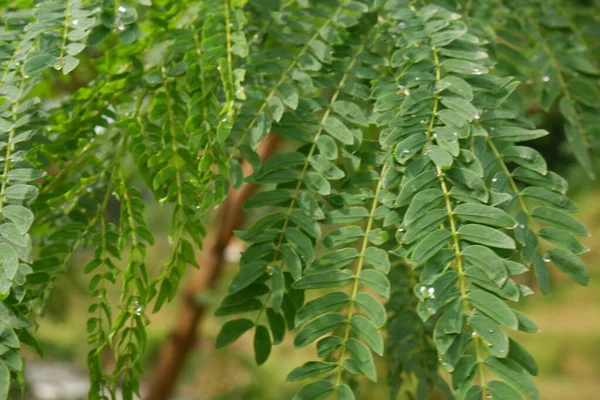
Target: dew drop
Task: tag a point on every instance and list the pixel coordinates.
(477, 116)
(401, 25)
(400, 230)
(477, 71)
(435, 135)
(417, 79)
(454, 133)
(490, 345)
(546, 78)
(474, 334)
(547, 259)
(122, 9)
(121, 27)
(75, 22)
(529, 82)
(270, 270)
(491, 331)
(522, 226)
(494, 179)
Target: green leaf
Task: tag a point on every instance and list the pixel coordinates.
(20, 216)
(69, 64)
(550, 181)
(262, 344)
(346, 215)
(288, 95)
(368, 333)
(343, 236)
(338, 130)
(492, 334)
(329, 302)
(522, 357)
(525, 324)
(463, 67)
(485, 215)
(278, 289)
(559, 219)
(527, 158)
(372, 308)
(301, 242)
(317, 328)
(25, 174)
(37, 64)
(570, 264)
(247, 275)
(277, 325)
(333, 260)
(315, 391)
(376, 281)
(21, 192)
(460, 106)
(4, 381)
(486, 236)
(310, 370)
(563, 239)
(517, 134)
(362, 358)
(549, 198)
(430, 246)
(421, 203)
(327, 279)
(514, 375)
(500, 390)
(377, 258)
(440, 157)
(236, 173)
(494, 308)
(231, 331)
(9, 261)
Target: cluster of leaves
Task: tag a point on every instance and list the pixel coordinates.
(407, 182)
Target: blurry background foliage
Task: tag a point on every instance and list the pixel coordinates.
(123, 124)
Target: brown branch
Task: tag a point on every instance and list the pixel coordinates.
(182, 338)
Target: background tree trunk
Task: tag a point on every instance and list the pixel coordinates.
(182, 339)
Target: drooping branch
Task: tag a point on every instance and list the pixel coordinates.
(182, 338)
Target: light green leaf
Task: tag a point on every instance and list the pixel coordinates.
(20, 216)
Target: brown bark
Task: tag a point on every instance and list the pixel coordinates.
(182, 338)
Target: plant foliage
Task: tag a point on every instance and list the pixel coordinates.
(396, 223)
